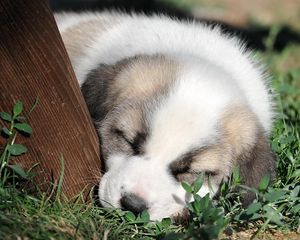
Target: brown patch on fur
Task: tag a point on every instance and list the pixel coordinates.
(245, 138)
(129, 81)
(241, 143)
(79, 36)
(239, 127)
(143, 76)
(237, 132)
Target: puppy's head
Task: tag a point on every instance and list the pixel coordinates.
(162, 122)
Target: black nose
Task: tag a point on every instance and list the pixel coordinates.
(133, 203)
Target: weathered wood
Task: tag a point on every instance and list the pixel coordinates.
(33, 62)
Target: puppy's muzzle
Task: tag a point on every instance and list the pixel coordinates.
(133, 203)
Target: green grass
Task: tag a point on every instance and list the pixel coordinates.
(277, 207)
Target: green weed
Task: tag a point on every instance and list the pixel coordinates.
(16, 125)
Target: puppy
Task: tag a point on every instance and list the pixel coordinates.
(170, 99)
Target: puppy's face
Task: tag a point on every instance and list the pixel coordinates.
(166, 123)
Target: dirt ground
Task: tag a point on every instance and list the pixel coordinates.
(245, 12)
(249, 234)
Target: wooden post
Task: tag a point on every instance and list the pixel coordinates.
(34, 63)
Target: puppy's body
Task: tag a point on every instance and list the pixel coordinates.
(170, 99)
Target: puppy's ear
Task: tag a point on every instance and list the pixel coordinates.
(95, 90)
(100, 88)
(255, 163)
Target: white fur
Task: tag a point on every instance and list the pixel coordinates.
(216, 73)
(139, 34)
(172, 134)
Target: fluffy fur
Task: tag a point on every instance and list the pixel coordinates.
(170, 99)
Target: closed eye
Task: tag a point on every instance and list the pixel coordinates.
(182, 170)
(122, 135)
(135, 144)
(190, 176)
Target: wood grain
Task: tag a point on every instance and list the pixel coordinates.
(34, 63)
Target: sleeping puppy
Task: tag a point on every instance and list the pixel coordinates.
(169, 100)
